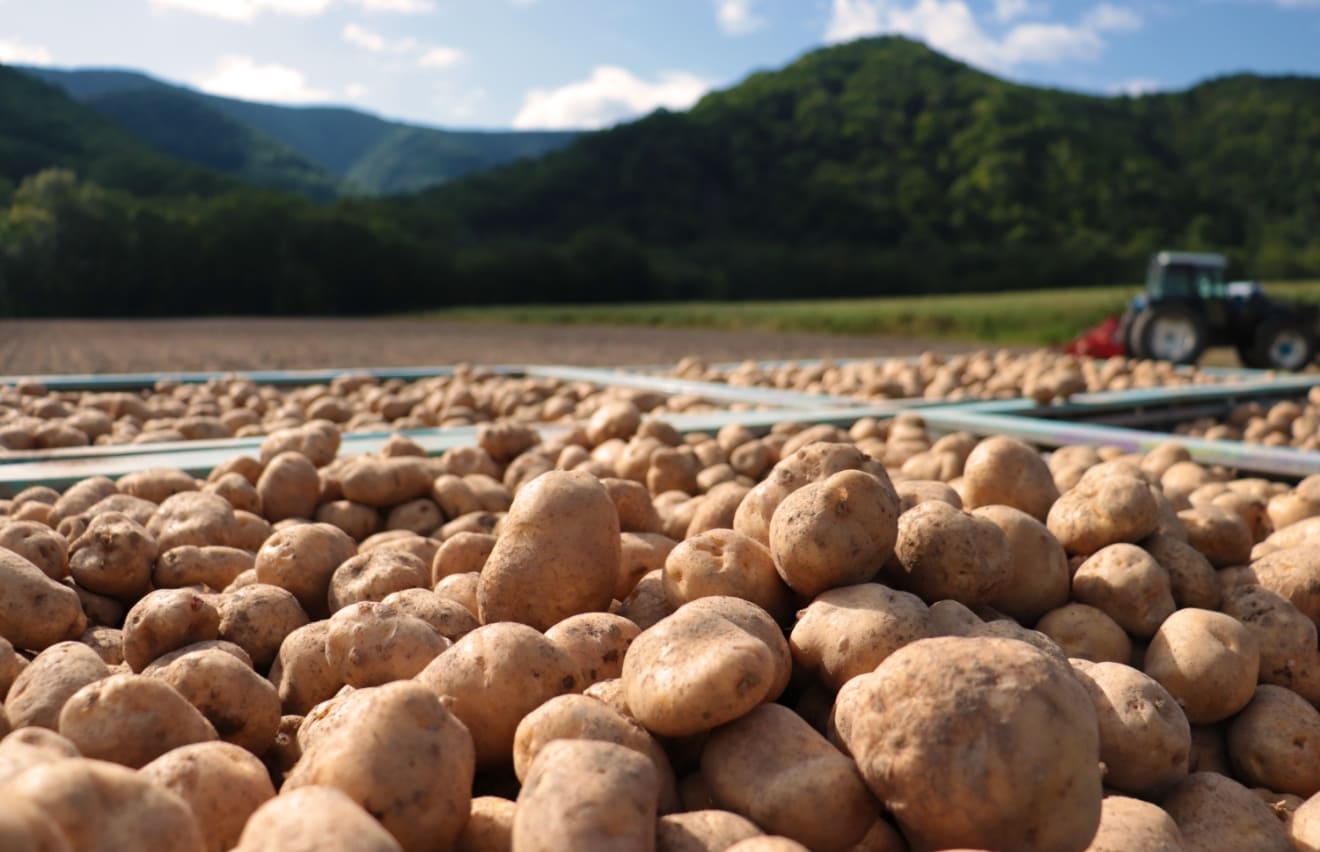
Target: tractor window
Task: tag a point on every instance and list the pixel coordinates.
(1210, 283)
(1176, 282)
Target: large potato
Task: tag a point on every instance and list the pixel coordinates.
(1207, 661)
(114, 557)
(1217, 814)
(773, 768)
(1038, 567)
(797, 468)
(40, 689)
(1275, 742)
(222, 784)
(301, 672)
(558, 553)
(192, 517)
(587, 796)
(101, 806)
(1087, 633)
(166, 620)
(373, 575)
(1127, 584)
(838, 532)
(597, 642)
(1131, 825)
(257, 618)
(978, 743)
(1191, 577)
(1006, 472)
(370, 643)
(709, 663)
(302, 559)
(24, 828)
(314, 819)
(131, 720)
(1145, 739)
(493, 677)
(944, 553)
(417, 781)
(725, 562)
(1103, 510)
(35, 611)
(847, 632)
(38, 544)
(386, 481)
(242, 705)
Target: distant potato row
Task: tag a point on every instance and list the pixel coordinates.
(624, 637)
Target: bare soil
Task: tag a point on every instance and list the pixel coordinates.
(29, 347)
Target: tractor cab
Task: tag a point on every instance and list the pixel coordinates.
(1189, 305)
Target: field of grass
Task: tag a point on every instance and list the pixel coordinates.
(1040, 317)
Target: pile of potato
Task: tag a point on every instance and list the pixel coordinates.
(628, 638)
(1287, 423)
(1042, 375)
(34, 418)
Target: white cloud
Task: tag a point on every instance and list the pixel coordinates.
(608, 96)
(1136, 87)
(738, 17)
(245, 10)
(16, 52)
(466, 105)
(1008, 10)
(355, 91)
(401, 7)
(242, 77)
(440, 57)
(1107, 17)
(375, 42)
(951, 27)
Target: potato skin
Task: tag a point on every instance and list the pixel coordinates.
(597, 641)
(1103, 510)
(707, 830)
(35, 611)
(725, 562)
(1275, 742)
(301, 672)
(418, 782)
(314, 819)
(1088, 633)
(977, 743)
(242, 705)
(1207, 661)
(587, 796)
(949, 554)
(41, 689)
(1132, 825)
(847, 632)
(369, 644)
(222, 784)
(1214, 812)
(24, 828)
(558, 554)
(1007, 472)
(1127, 584)
(131, 720)
(1038, 567)
(302, 559)
(709, 663)
(838, 532)
(775, 769)
(166, 620)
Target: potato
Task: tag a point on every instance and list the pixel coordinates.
(1207, 661)
(80, 497)
(633, 503)
(977, 743)
(724, 562)
(1217, 813)
(1145, 739)
(447, 617)
(489, 826)
(1191, 577)
(221, 783)
(214, 566)
(41, 688)
(302, 560)
(166, 620)
(289, 487)
(239, 493)
(558, 554)
(249, 531)
(417, 782)
(1087, 633)
(156, 484)
(797, 468)
(1131, 825)
(355, 519)
(1006, 472)
(314, 818)
(493, 677)
(114, 557)
(577, 717)
(1038, 567)
(370, 643)
(837, 532)
(847, 632)
(1223, 537)
(773, 768)
(257, 618)
(597, 641)
(1275, 742)
(1293, 573)
(586, 795)
(35, 611)
(768, 844)
(1127, 584)
(99, 805)
(716, 510)
(454, 496)
(709, 663)
(301, 672)
(371, 576)
(702, 831)
(24, 748)
(1103, 510)
(462, 589)
(192, 517)
(317, 440)
(421, 516)
(38, 544)
(242, 706)
(945, 553)
(11, 665)
(386, 481)
(131, 720)
(24, 828)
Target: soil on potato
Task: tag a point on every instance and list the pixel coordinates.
(112, 346)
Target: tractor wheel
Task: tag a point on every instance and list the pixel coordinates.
(1248, 356)
(1284, 344)
(1170, 333)
(1131, 346)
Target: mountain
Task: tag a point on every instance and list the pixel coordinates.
(306, 149)
(41, 128)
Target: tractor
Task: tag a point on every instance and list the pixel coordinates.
(1188, 306)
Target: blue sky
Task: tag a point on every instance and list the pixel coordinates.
(590, 63)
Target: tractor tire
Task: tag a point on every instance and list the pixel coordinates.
(1249, 357)
(1284, 344)
(1170, 333)
(1125, 336)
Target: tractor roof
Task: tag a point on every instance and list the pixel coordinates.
(1191, 258)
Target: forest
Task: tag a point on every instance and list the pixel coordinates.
(872, 168)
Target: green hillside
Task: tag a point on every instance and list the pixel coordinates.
(284, 147)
